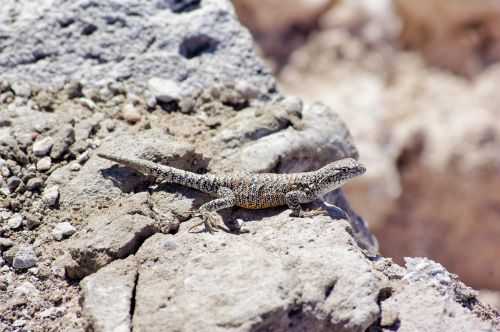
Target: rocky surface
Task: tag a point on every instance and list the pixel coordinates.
(111, 41)
(90, 246)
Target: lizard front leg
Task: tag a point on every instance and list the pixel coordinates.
(226, 199)
(293, 200)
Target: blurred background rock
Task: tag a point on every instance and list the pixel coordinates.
(418, 84)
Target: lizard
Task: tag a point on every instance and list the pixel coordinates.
(250, 191)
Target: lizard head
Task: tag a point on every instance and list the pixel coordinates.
(335, 174)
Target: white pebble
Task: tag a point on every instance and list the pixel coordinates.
(63, 230)
(42, 146)
(16, 221)
(44, 164)
(164, 90)
(51, 195)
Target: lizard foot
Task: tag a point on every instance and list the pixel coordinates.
(209, 220)
(315, 212)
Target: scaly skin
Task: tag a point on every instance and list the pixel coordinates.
(251, 191)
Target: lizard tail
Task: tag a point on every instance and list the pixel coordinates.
(143, 166)
(165, 173)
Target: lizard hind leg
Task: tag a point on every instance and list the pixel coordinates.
(207, 211)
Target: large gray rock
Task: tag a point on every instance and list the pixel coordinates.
(301, 274)
(107, 296)
(193, 45)
(112, 234)
(443, 302)
(323, 138)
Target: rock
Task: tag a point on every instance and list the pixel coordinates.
(63, 139)
(75, 167)
(42, 146)
(13, 182)
(50, 196)
(63, 230)
(21, 89)
(87, 127)
(108, 295)
(34, 184)
(44, 164)
(27, 290)
(461, 36)
(210, 46)
(130, 113)
(31, 221)
(15, 222)
(74, 89)
(4, 171)
(5, 243)
(276, 282)
(98, 180)
(323, 139)
(164, 90)
(280, 29)
(82, 159)
(246, 89)
(114, 235)
(427, 285)
(19, 323)
(5, 214)
(24, 258)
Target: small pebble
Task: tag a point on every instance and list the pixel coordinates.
(247, 90)
(293, 105)
(2, 262)
(51, 196)
(63, 230)
(21, 89)
(151, 102)
(131, 114)
(4, 171)
(75, 167)
(44, 164)
(5, 243)
(26, 289)
(88, 103)
(24, 258)
(31, 221)
(34, 184)
(15, 222)
(42, 146)
(74, 89)
(109, 124)
(5, 214)
(13, 182)
(82, 159)
(164, 90)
